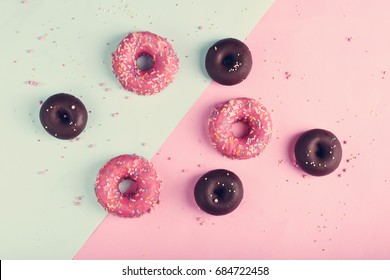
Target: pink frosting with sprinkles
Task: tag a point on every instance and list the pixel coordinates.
(124, 167)
(154, 80)
(248, 111)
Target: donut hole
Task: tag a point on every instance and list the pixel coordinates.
(220, 193)
(229, 61)
(240, 129)
(323, 151)
(128, 187)
(64, 117)
(145, 62)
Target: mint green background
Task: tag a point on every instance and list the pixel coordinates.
(38, 218)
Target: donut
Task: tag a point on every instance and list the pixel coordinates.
(120, 168)
(228, 61)
(318, 152)
(218, 192)
(249, 112)
(63, 116)
(144, 63)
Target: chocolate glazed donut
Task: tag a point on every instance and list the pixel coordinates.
(63, 116)
(318, 152)
(228, 61)
(218, 192)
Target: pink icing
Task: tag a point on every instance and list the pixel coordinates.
(131, 167)
(154, 80)
(248, 111)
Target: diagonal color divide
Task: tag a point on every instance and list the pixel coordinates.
(47, 203)
(316, 65)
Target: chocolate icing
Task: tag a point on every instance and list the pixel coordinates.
(63, 116)
(228, 61)
(218, 192)
(318, 152)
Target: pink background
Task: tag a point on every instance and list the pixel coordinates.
(317, 64)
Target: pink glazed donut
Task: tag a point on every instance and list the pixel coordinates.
(160, 63)
(124, 167)
(249, 112)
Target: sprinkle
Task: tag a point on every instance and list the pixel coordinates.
(32, 83)
(43, 37)
(42, 172)
(91, 146)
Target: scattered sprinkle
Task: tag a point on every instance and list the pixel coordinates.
(43, 172)
(43, 37)
(33, 83)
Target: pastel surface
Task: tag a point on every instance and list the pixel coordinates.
(47, 203)
(316, 64)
